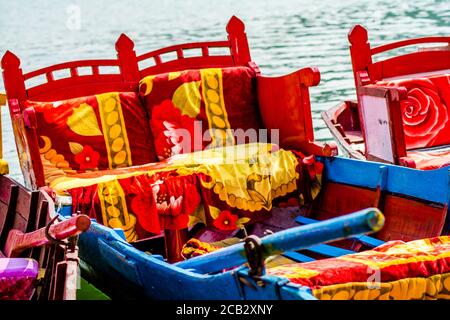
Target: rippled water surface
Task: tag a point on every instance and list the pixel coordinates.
(283, 35)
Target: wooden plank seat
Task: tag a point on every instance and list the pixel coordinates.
(403, 100)
(93, 121)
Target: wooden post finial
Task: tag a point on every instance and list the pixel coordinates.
(235, 25)
(358, 34)
(13, 77)
(238, 41)
(124, 43)
(127, 59)
(360, 52)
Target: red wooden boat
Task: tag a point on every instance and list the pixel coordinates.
(401, 115)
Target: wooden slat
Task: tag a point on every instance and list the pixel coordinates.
(49, 76)
(5, 189)
(408, 42)
(180, 54)
(298, 257)
(193, 45)
(69, 65)
(408, 219)
(370, 241)
(10, 215)
(189, 63)
(329, 251)
(338, 199)
(417, 62)
(79, 86)
(33, 213)
(73, 72)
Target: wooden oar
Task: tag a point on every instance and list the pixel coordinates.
(361, 222)
(18, 241)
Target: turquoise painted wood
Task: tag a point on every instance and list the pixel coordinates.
(400, 180)
(364, 221)
(299, 257)
(370, 241)
(329, 251)
(107, 252)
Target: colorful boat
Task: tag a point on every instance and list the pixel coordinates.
(35, 260)
(401, 114)
(179, 220)
(349, 185)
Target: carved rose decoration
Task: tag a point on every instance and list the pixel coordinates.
(424, 112)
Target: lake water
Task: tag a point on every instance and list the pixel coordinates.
(283, 35)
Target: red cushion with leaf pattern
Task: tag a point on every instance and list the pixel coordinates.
(97, 132)
(183, 106)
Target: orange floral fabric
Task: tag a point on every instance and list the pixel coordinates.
(193, 188)
(195, 101)
(195, 247)
(423, 266)
(426, 118)
(92, 133)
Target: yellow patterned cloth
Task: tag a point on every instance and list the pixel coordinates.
(225, 187)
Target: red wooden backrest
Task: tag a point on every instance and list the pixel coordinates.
(88, 77)
(127, 64)
(131, 68)
(236, 45)
(379, 106)
(367, 71)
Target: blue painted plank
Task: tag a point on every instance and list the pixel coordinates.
(370, 241)
(431, 185)
(329, 251)
(305, 220)
(298, 256)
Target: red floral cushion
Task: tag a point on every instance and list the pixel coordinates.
(91, 133)
(192, 188)
(396, 270)
(183, 106)
(426, 119)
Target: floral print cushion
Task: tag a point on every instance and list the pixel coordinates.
(193, 109)
(200, 187)
(396, 270)
(97, 132)
(426, 113)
